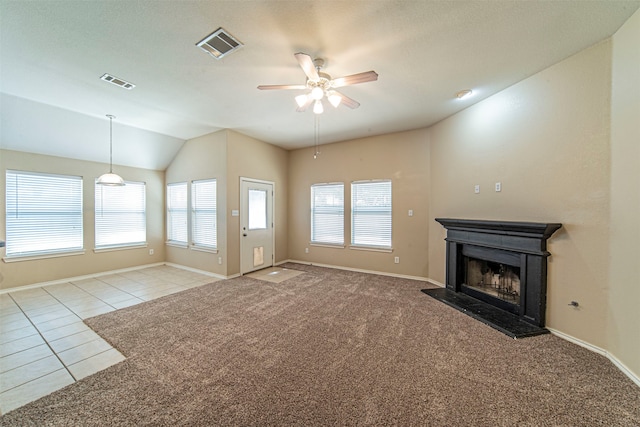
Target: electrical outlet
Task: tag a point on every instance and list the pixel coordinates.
(498, 187)
(150, 251)
(476, 189)
(220, 260)
(410, 212)
(396, 260)
(306, 250)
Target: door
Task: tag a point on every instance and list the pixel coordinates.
(256, 225)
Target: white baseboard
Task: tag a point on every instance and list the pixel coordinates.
(625, 370)
(359, 270)
(77, 278)
(195, 270)
(106, 273)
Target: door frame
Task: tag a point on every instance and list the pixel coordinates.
(244, 179)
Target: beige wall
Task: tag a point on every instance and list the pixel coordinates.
(624, 278)
(21, 273)
(250, 158)
(546, 139)
(203, 158)
(402, 157)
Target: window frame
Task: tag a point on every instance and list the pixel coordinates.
(388, 209)
(340, 210)
(74, 225)
(183, 211)
(195, 221)
(99, 191)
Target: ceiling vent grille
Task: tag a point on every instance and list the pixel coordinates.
(219, 43)
(118, 82)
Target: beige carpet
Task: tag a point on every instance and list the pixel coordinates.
(331, 347)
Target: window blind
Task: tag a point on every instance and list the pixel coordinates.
(204, 231)
(43, 213)
(120, 213)
(177, 231)
(327, 213)
(371, 213)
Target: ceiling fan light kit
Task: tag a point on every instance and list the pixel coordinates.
(320, 85)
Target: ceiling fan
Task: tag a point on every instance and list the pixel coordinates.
(321, 85)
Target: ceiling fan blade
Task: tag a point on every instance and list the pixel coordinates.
(306, 63)
(367, 76)
(270, 87)
(303, 107)
(346, 101)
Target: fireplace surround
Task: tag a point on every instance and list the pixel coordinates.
(501, 263)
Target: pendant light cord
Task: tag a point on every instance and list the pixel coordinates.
(111, 142)
(316, 135)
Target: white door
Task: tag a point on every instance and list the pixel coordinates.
(256, 225)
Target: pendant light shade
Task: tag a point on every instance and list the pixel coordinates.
(110, 178)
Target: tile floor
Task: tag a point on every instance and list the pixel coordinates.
(45, 345)
(274, 274)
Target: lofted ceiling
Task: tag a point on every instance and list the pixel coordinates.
(53, 53)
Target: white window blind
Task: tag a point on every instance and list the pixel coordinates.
(43, 214)
(121, 218)
(327, 213)
(177, 231)
(371, 214)
(204, 227)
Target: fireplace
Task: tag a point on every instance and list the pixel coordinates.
(500, 263)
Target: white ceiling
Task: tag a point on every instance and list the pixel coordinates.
(52, 54)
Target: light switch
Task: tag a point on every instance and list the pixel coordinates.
(410, 212)
(477, 189)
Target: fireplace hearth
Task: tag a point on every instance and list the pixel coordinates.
(500, 266)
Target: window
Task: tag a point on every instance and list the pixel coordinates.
(371, 214)
(177, 231)
(204, 224)
(121, 218)
(257, 209)
(327, 214)
(43, 214)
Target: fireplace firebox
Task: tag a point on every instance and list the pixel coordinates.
(501, 263)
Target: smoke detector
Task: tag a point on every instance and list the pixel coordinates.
(219, 43)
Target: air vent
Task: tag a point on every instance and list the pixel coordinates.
(219, 43)
(118, 82)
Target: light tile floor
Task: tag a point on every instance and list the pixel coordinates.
(274, 274)
(45, 345)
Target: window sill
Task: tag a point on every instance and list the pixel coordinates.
(9, 259)
(119, 248)
(177, 245)
(372, 248)
(202, 249)
(327, 245)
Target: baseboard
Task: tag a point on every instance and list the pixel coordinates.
(621, 366)
(76, 278)
(360, 270)
(106, 273)
(195, 270)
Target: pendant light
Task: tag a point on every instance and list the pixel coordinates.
(110, 178)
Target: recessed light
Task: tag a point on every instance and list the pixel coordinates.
(463, 94)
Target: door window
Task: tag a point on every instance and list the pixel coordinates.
(257, 209)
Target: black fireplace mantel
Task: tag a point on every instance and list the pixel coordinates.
(525, 237)
(524, 242)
